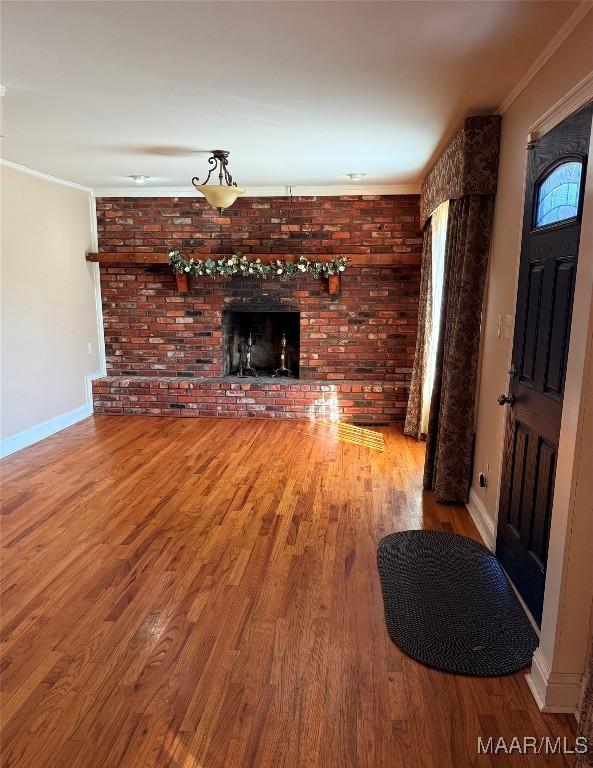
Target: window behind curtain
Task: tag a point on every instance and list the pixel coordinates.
(438, 222)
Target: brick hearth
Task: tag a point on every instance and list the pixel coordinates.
(164, 349)
(377, 402)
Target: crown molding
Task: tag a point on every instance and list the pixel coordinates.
(44, 176)
(576, 99)
(565, 30)
(330, 190)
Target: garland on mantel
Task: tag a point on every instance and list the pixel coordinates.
(237, 264)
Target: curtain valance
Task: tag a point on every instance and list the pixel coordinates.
(468, 165)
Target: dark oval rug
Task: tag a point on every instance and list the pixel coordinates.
(448, 604)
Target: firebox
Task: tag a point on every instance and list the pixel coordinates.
(259, 338)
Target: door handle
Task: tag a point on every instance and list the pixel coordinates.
(505, 399)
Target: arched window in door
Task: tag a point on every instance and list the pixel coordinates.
(558, 194)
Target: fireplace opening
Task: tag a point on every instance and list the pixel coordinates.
(271, 333)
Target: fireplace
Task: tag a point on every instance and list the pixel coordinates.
(173, 353)
(268, 331)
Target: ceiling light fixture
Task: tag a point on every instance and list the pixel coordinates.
(223, 194)
(138, 178)
(356, 176)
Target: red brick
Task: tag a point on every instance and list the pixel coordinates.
(367, 333)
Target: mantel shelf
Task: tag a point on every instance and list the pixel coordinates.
(183, 280)
(357, 260)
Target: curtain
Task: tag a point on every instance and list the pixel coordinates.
(449, 448)
(586, 719)
(467, 166)
(414, 411)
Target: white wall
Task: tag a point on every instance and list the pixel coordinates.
(49, 308)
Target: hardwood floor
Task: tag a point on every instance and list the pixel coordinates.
(203, 593)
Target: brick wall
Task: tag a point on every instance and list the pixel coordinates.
(367, 333)
(347, 225)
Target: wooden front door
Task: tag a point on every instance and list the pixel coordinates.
(555, 183)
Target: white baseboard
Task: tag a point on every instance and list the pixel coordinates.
(89, 386)
(47, 428)
(482, 520)
(554, 692)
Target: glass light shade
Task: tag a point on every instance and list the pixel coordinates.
(220, 195)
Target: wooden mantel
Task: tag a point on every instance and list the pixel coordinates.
(334, 287)
(357, 259)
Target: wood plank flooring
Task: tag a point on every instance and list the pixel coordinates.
(203, 593)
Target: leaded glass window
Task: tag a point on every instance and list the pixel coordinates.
(558, 194)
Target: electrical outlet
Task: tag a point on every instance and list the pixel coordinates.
(89, 346)
(508, 326)
(498, 326)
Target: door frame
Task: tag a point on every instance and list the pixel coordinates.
(557, 674)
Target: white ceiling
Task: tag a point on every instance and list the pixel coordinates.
(300, 92)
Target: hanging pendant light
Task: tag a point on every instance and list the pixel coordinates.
(223, 194)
